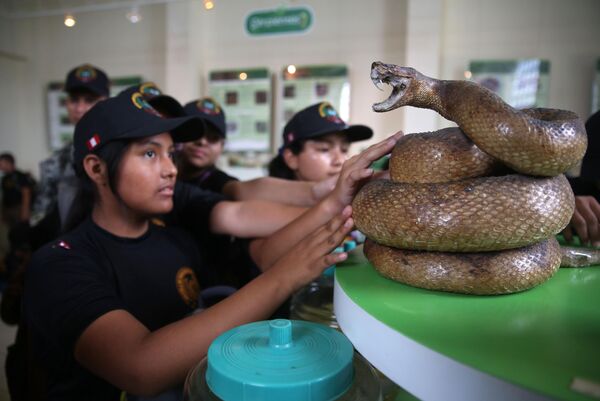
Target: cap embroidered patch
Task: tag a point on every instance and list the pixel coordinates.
(208, 106)
(93, 142)
(150, 90)
(138, 100)
(327, 111)
(86, 73)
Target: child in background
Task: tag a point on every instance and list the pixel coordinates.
(315, 144)
(197, 161)
(85, 86)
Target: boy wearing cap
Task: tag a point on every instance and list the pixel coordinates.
(108, 304)
(315, 144)
(85, 86)
(197, 159)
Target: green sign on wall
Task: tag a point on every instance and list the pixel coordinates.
(279, 21)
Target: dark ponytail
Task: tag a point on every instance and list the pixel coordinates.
(278, 167)
(112, 154)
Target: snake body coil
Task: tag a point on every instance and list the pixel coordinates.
(438, 200)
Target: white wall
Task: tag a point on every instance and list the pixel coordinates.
(49, 50)
(350, 32)
(566, 33)
(178, 43)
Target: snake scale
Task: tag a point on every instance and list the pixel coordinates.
(472, 209)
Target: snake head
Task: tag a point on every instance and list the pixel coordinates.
(401, 79)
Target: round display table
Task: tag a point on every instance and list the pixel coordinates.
(540, 344)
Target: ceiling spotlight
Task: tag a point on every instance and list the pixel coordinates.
(243, 76)
(134, 15)
(70, 20)
(209, 4)
(291, 69)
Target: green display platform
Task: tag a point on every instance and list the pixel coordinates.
(545, 340)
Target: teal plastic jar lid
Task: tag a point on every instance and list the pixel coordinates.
(278, 360)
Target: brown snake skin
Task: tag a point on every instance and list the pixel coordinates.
(439, 206)
(474, 273)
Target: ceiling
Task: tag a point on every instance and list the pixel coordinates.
(41, 8)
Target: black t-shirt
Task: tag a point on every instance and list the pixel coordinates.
(191, 209)
(227, 256)
(12, 187)
(89, 272)
(212, 179)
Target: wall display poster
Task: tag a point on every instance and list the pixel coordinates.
(245, 96)
(596, 89)
(60, 130)
(520, 83)
(308, 85)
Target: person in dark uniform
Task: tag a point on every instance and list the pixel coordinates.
(315, 144)
(18, 190)
(198, 158)
(108, 304)
(585, 222)
(85, 86)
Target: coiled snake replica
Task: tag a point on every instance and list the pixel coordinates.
(472, 209)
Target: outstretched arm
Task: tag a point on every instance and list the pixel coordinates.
(355, 172)
(118, 348)
(297, 193)
(251, 218)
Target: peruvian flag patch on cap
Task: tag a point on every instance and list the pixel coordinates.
(93, 142)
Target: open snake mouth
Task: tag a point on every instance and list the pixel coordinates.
(380, 76)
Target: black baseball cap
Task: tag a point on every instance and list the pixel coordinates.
(321, 119)
(210, 110)
(87, 77)
(165, 104)
(128, 116)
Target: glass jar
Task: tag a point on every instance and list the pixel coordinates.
(314, 302)
(282, 360)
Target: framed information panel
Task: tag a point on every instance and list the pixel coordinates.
(60, 130)
(301, 86)
(521, 83)
(245, 96)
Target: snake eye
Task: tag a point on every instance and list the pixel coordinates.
(402, 87)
